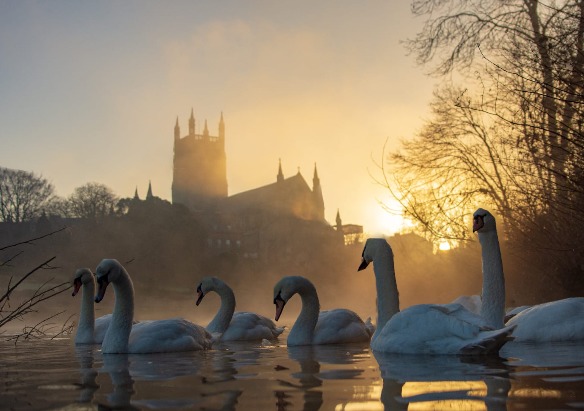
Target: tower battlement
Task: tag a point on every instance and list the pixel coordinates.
(199, 166)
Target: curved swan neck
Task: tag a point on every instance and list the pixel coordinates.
(85, 328)
(493, 294)
(387, 293)
(221, 321)
(303, 330)
(118, 333)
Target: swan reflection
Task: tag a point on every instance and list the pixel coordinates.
(310, 378)
(88, 385)
(117, 366)
(454, 382)
(135, 381)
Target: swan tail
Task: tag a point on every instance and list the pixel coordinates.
(278, 330)
(490, 342)
(369, 326)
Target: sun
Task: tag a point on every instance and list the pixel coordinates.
(444, 246)
(385, 222)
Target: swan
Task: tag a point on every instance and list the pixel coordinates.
(234, 326)
(314, 326)
(474, 303)
(89, 329)
(561, 320)
(175, 334)
(424, 328)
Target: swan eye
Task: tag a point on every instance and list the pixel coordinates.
(199, 289)
(103, 279)
(278, 297)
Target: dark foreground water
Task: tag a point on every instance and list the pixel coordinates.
(56, 375)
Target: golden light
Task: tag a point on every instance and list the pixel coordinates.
(444, 246)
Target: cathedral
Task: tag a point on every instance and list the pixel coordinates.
(247, 222)
(200, 180)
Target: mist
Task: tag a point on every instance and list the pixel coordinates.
(166, 257)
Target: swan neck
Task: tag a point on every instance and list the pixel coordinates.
(386, 285)
(493, 293)
(118, 333)
(221, 321)
(303, 330)
(85, 328)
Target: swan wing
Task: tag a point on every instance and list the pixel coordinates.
(251, 326)
(340, 326)
(561, 320)
(473, 303)
(434, 329)
(170, 335)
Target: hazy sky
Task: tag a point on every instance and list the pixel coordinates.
(90, 91)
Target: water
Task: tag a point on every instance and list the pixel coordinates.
(56, 375)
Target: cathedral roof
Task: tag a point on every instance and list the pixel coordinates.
(291, 196)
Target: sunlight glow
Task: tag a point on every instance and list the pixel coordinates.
(444, 246)
(385, 221)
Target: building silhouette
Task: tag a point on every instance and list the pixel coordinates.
(199, 166)
(200, 181)
(248, 221)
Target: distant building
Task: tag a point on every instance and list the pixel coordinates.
(200, 180)
(199, 166)
(245, 223)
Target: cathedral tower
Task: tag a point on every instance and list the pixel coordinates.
(199, 166)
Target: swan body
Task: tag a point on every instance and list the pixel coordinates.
(314, 327)
(168, 335)
(89, 329)
(561, 320)
(472, 303)
(231, 325)
(424, 328)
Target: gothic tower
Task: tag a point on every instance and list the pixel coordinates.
(199, 166)
(317, 193)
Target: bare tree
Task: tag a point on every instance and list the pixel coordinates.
(528, 58)
(11, 310)
(92, 200)
(510, 138)
(22, 195)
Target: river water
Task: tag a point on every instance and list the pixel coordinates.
(56, 375)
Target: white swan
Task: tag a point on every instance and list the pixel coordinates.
(234, 326)
(561, 320)
(314, 326)
(89, 329)
(424, 328)
(169, 335)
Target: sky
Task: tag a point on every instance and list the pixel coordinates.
(90, 92)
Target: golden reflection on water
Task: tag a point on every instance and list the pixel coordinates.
(475, 388)
(536, 393)
(472, 388)
(365, 398)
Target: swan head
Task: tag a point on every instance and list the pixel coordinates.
(286, 288)
(82, 276)
(483, 221)
(207, 284)
(108, 271)
(370, 250)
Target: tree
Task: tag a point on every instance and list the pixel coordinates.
(22, 195)
(511, 138)
(529, 55)
(92, 200)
